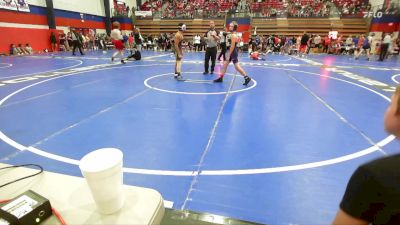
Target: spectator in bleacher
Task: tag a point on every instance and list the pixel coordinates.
(211, 38)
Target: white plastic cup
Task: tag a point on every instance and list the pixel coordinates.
(102, 169)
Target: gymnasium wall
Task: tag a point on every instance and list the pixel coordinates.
(92, 7)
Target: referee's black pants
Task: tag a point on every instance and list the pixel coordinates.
(384, 51)
(210, 53)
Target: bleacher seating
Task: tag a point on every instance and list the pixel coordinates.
(308, 12)
(156, 27)
(295, 27)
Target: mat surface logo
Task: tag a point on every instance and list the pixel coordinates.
(54, 74)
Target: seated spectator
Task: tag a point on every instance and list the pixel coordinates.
(12, 50)
(28, 49)
(20, 49)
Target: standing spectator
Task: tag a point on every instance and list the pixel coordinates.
(138, 39)
(211, 38)
(385, 46)
(76, 41)
(303, 43)
(317, 42)
(53, 41)
(131, 41)
(202, 42)
(196, 40)
(222, 43)
(69, 40)
(327, 42)
(64, 42)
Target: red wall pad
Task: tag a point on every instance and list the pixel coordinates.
(39, 39)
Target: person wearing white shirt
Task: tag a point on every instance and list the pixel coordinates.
(384, 46)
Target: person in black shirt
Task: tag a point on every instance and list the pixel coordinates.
(53, 41)
(373, 192)
(222, 43)
(76, 41)
(138, 39)
(304, 43)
